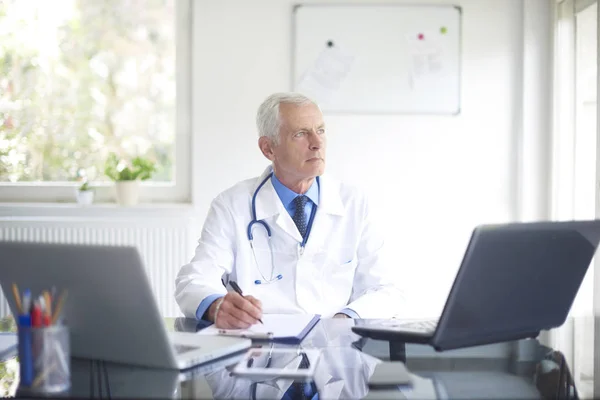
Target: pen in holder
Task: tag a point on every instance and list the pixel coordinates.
(44, 358)
(44, 344)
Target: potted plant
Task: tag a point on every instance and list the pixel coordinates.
(127, 176)
(84, 194)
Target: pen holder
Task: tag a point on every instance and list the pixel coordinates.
(44, 359)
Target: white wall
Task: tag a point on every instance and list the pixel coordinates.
(433, 178)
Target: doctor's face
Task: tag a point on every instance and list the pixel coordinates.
(300, 153)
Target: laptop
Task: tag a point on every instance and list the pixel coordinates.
(110, 308)
(124, 382)
(514, 281)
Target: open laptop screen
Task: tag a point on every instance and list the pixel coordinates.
(515, 280)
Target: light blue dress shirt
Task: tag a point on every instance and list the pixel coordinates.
(287, 197)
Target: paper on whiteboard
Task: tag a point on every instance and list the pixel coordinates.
(425, 59)
(326, 75)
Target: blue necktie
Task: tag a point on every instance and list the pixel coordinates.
(302, 390)
(299, 215)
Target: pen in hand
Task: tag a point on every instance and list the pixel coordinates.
(238, 290)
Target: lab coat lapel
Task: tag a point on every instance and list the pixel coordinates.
(332, 390)
(284, 384)
(330, 208)
(266, 197)
(268, 204)
(285, 222)
(322, 378)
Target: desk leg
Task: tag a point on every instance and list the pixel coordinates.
(398, 351)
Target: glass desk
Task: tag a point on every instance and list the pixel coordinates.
(521, 369)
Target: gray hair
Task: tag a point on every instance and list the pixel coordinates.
(267, 117)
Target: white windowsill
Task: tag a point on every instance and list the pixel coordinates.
(52, 211)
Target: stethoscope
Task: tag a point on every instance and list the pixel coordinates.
(268, 230)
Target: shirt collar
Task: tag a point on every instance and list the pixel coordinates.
(287, 195)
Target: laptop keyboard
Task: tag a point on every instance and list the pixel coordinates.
(399, 325)
(424, 325)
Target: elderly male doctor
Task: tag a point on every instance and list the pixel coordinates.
(323, 256)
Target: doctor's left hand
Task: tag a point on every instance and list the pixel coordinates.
(235, 311)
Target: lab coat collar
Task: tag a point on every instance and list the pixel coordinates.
(269, 204)
(330, 201)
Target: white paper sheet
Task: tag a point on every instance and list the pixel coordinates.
(280, 325)
(425, 59)
(326, 74)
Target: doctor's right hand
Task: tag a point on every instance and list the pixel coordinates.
(235, 311)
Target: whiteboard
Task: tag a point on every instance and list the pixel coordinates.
(378, 59)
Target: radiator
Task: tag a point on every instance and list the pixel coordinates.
(164, 245)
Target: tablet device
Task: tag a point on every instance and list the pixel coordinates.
(269, 363)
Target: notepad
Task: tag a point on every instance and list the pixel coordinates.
(281, 328)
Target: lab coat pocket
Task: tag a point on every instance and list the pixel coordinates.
(334, 261)
(338, 277)
(340, 269)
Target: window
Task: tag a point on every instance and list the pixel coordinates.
(82, 79)
(585, 183)
(575, 165)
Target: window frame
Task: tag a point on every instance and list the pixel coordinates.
(176, 191)
(596, 266)
(563, 181)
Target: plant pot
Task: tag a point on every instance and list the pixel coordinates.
(128, 192)
(84, 197)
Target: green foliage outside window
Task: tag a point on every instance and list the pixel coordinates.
(81, 79)
(119, 170)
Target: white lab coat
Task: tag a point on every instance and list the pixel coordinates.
(342, 371)
(340, 266)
